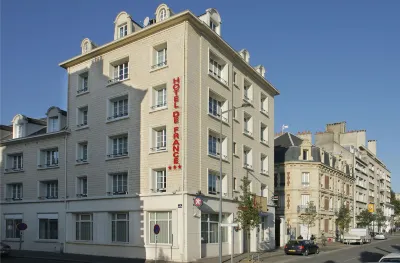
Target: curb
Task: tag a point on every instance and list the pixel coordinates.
(50, 258)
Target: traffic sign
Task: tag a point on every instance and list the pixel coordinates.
(198, 201)
(156, 229)
(22, 226)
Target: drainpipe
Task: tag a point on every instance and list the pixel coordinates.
(65, 193)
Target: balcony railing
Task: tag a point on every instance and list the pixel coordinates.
(159, 105)
(247, 166)
(217, 115)
(48, 197)
(216, 154)
(81, 195)
(14, 198)
(121, 77)
(14, 169)
(83, 160)
(304, 209)
(48, 165)
(159, 65)
(119, 115)
(82, 124)
(305, 184)
(158, 148)
(115, 155)
(247, 132)
(118, 193)
(79, 91)
(215, 75)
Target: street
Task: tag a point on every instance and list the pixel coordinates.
(29, 260)
(350, 254)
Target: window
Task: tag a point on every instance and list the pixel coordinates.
(123, 30)
(82, 116)
(214, 145)
(234, 183)
(305, 154)
(15, 162)
(213, 26)
(218, 69)
(159, 56)
(213, 183)
(119, 146)
(18, 132)
(209, 228)
(15, 191)
(164, 220)
(82, 187)
(264, 103)
(326, 182)
(84, 227)
(326, 225)
(248, 124)
(48, 226)
(120, 184)
(264, 133)
(118, 108)
(163, 14)
(83, 84)
(53, 124)
(331, 204)
(159, 97)
(159, 139)
(234, 148)
(120, 227)
(82, 152)
(305, 199)
(51, 190)
(85, 47)
(247, 157)
(248, 91)
(326, 203)
(161, 180)
(264, 164)
(305, 179)
(49, 158)
(217, 105)
(121, 72)
(235, 79)
(235, 114)
(11, 226)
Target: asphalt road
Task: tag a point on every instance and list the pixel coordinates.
(350, 254)
(28, 260)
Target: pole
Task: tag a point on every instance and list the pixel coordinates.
(220, 191)
(155, 252)
(232, 245)
(20, 240)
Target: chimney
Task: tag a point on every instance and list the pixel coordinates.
(245, 55)
(372, 146)
(305, 136)
(338, 127)
(260, 69)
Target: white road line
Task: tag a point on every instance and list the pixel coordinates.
(350, 259)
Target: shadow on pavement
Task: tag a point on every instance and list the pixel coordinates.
(366, 256)
(397, 247)
(330, 261)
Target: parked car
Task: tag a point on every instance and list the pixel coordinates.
(380, 236)
(392, 257)
(5, 249)
(301, 247)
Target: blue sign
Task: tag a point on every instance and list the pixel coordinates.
(156, 229)
(22, 226)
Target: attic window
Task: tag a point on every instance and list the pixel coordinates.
(305, 154)
(163, 14)
(213, 26)
(18, 131)
(123, 30)
(85, 47)
(53, 124)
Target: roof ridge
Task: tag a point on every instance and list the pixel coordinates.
(290, 138)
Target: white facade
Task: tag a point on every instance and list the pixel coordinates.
(143, 142)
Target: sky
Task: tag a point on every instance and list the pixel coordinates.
(332, 61)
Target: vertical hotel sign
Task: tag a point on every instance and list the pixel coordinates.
(176, 135)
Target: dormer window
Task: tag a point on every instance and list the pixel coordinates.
(123, 30)
(305, 155)
(18, 130)
(163, 14)
(85, 47)
(213, 26)
(53, 124)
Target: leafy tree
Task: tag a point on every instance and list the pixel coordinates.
(380, 218)
(309, 217)
(248, 216)
(343, 219)
(395, 203)
(365, 218)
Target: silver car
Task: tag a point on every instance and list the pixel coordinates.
(380, 236)
(392, 257)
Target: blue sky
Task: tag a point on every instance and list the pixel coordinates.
(331, 60)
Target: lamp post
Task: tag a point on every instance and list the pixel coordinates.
(220, 178)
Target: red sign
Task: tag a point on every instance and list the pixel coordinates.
(176, 117)
(198, 201)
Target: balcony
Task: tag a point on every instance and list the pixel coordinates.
(117, 116)
(14, 169)
(48, 165)
(159, 65)
(117, 155)
(305, 209)
(305, 184)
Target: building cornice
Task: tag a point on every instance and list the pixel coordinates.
(172, 21)
(374, 157)
(36, 137)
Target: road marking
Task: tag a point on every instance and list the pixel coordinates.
(350, 259)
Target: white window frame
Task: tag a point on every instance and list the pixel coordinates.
(119, 183)
(155, 220)
(248, 125)
(305, 200)
(235, 79)
(121, 71)
(54, 124)
(264, 133)
(82, 118)
(248, 91)
(78, 226)
(122, 30)
(16, 161)
(213, 182)
(217, 105)
(163, 14)
(15, 191)
(159, 139)
(213, 25)
(264, 163)
(118, 107)
(160, 56)
(305, 179)
(82, 152)
(214, 145)
(115, 224)
(247, 157)
(83, 85)
(11, 222)
(160, 179)
(119, 145)
(19, 130)
(159, 97)
(264, 103)
(82, 186)
(51, 189)
(51, 157)
(218, 68)
(207, 220)
(47, 233)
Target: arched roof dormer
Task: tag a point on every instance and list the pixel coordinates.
(123, 25)
(212, 19)
(19, 119)
(244, 53)
(87, 45)
(163, 12)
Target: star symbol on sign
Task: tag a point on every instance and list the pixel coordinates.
(179, 166)
(169, 167)
(174, 167)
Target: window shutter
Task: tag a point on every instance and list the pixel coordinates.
(326, 182)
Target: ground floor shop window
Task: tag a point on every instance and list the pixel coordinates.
(11, 227)
(209, 228)
(48, 226)
(164, 220)
(84, 227)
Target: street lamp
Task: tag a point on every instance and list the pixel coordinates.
(220, 177)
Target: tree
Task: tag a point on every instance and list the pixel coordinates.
(380, 218)
(365, 218)
(248, 216)
(343, 219)
(395, 203)
(309, 217)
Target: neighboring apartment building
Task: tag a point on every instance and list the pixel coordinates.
(373, 179)
(32, 180)
(305, 173)
(145, 113)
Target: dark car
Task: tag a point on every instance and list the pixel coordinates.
(301, 247)
(5, 249)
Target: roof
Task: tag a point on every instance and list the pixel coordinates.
(41, 121)
(6, 128)
(287, 139)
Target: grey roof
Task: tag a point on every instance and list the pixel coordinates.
(6, 127)
(287, 140)
(41, 121)
(41, 131)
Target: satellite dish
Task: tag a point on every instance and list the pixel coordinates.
(146, 21)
